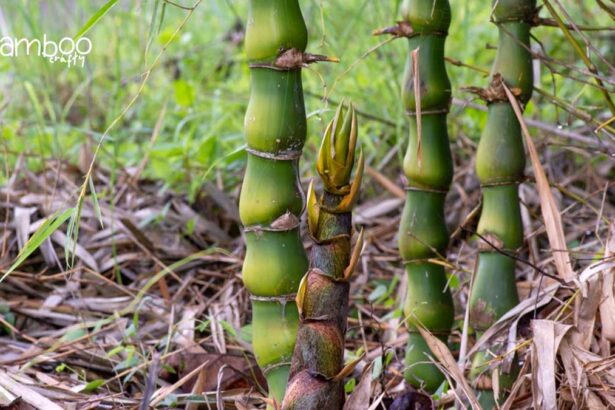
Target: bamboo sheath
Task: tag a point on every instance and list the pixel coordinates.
(500, 167)
(317, 371)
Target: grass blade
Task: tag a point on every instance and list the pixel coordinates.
(95, 202)
(42, 233)
(94, 19)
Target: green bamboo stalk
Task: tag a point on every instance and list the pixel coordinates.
(271, 200)
(500, 164)
(428, 166)
(317, 371)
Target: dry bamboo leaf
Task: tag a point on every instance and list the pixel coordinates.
(440, 350)
(606, 397)
(185, 330)
(550, 212)
(547, 338)
(585, 314)
(26, 394)
(572, 369)
(607, 305)
(61, 293)
(386, 183)
(524, 307)
(219, 401)
(348, 369)
(150, 382)
(217, 332)
(21, 219)
(61, 239)
(523, 377)
(223, 200)
(162, 392)
(359, 399)
(376, 403)
(49, 253)
(7, 398)
(202, 224)
(576, 376)
(366, 213)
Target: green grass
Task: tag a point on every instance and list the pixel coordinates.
(54, 112)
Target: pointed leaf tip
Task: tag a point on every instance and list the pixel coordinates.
(313, 209)
(301, 294)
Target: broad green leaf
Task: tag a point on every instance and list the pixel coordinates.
(229, 328)
(388, 358)
(115, 350)
(93, 386)
(126, 364)
(73, 334)
(377, 370)
(350, 385)
(184, 93)
(377, 293)
(202, 326)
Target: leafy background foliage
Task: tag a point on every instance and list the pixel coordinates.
(51, 111)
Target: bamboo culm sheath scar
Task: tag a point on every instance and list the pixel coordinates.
(271, 201)
(317, 371)
(500, 167)
(428, 166)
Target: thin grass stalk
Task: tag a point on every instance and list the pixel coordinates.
(500, 164)
(317, 371)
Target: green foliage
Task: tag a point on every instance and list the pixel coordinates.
(55, 112)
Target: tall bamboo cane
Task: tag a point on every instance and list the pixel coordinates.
(316, 374)
(500, 164)
(423, 235)
(271, 200)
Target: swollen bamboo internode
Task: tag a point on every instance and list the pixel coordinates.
(428, 166)
(500, 166)
(317, 371)
(271, 200)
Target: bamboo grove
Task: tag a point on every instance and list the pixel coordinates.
(500, 163)
(300, 305)
(428, 166)
(317, 372)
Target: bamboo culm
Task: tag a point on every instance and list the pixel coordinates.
(500, 164)
(428, 166)
(272, 201)
(317, 372)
